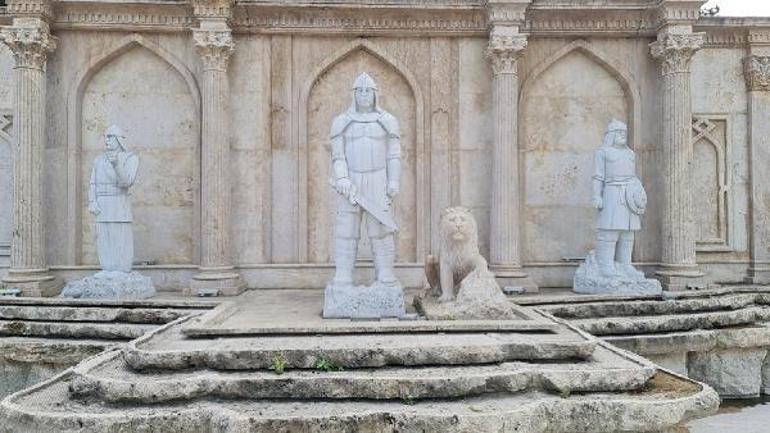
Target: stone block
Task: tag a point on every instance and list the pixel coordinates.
(364, 302)
(732, 373)
(676, 362)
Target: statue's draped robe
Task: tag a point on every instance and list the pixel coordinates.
(109, 189)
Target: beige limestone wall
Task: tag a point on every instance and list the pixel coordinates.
(286, 89)
(570, 91)
(720, 151)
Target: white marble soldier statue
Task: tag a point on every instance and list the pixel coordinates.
(112, 174)
(366, 169)
(620, 198)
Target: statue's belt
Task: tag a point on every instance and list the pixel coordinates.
(370, 170)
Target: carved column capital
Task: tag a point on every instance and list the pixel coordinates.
(214, 47)
(30, 45)
(756, 70)
(675, 51)
(504, 51)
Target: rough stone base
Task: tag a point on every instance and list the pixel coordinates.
(229, 284)
(478, 298)
(589, 280)
(733, 374)
(111, 285)
(375, 301)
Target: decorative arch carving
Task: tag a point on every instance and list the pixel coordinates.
(612, 66)
(74, 121)
(422, 188)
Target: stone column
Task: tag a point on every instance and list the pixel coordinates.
(679, 268)
(217, 275)
(757, 72)
(30, 42)
(506, 45)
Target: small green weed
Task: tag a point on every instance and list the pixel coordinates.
(327, 365)
(278, 364)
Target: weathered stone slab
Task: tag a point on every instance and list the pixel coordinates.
(732, 373)
(166, 348)
(666, 402)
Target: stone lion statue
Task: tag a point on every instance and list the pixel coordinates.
(459, 256)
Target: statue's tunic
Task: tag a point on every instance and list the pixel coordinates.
(366, 142)
(109, 189)
(615, 168)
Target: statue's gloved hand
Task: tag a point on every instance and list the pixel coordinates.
(94, 208)
(344, 186)
(597, 202)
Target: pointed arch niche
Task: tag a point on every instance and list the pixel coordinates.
(328, 93)
(565, 105)
(140, 86)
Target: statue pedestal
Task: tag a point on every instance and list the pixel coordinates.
(364, 302)
(590, 280)
(111, 285)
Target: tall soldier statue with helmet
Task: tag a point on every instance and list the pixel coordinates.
(620, 198)
(366, 172)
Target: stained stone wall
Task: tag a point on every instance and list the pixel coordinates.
(286, 86)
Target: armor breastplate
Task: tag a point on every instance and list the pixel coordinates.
(619, 164)
(366, 147)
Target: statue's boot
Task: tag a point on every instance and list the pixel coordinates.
(344, 260)
(605, 257)
(624, 254)
(384, 250)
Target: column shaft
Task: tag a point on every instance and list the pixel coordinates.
(679, 268)
(504, 242)
(505, 48)
(30, 42)
(215, 164)
(217, 272)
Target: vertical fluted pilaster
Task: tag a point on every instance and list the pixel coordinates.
(217, 270)
(30, 42)
(757, 74)
(675, 51)
(504, 50)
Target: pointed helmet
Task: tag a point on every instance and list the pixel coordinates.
(616, 125)
(364, 81)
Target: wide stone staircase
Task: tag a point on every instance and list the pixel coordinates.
(720, 337)
(41, 337)
(267, 363)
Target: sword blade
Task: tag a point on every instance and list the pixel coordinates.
(385, 218)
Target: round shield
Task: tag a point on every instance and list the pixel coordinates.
(636, 197)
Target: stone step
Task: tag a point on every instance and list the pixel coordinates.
(169, 349)
(78, 330)
(672, 323)
(657, 307)
(109, 379)
(666, 402)
(65, 313)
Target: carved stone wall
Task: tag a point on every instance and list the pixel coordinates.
(136, 65)
(145, 96)
(565, 110)
(331, 95)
